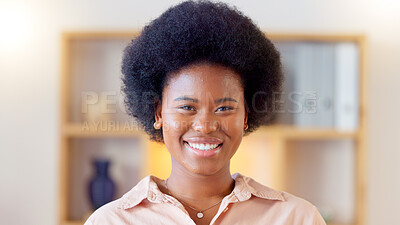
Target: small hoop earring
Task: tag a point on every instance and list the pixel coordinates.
(157, 125)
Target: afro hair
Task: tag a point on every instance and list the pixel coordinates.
(193, 32)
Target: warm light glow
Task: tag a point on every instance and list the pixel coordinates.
(15, 26)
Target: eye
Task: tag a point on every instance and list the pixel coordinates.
(226, 108)
(187, 107)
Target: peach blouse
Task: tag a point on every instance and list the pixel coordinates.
(249, 203)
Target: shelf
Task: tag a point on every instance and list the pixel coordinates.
(293, 133)
(294, 144)
(72, 223)
(340, 224)
(113, 130)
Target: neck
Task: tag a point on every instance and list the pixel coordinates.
(192, 186)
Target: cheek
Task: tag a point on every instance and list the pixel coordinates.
(233, 125)
(174, 125)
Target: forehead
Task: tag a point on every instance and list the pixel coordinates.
(204, 80)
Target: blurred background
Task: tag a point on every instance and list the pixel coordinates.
(46, 158)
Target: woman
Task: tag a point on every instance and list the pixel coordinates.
(193, 79)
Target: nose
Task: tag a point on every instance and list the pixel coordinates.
(205, 123)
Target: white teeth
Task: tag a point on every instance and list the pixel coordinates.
(204, 147)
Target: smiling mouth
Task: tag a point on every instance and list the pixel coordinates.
(203, 147)
(203, 150)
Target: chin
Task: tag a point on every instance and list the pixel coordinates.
(205, 169)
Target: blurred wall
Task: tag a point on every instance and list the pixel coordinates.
(30, 71)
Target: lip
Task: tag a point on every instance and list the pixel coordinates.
(202, 153)
(203, 140)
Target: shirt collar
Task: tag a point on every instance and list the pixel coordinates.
(244, 188)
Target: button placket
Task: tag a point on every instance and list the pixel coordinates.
(223, 207)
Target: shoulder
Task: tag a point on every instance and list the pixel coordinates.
(280, 202)
(107, 214)
(300, 206)
(114, 212)
(299, 210)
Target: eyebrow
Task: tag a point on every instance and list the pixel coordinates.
(185, 98)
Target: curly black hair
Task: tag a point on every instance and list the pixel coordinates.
(193, 32)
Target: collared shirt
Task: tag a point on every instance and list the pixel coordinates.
(249, 203)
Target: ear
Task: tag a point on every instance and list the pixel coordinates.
(157, 109)
(245, 116)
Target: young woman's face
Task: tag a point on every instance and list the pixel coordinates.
(203, 117)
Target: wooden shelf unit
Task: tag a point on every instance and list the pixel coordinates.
(278, 136)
